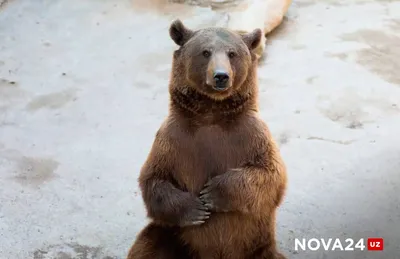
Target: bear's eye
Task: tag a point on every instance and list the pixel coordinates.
(206, 53)
(231, 54)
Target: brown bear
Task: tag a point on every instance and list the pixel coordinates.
(214, 177)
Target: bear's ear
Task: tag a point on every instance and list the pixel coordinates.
(179, 33)
(253, 39)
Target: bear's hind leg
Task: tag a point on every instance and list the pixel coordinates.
(157, 242)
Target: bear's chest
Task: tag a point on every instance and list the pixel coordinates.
(210, 151)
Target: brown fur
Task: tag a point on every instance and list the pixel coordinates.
(214, 176)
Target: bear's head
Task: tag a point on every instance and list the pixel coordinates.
(214, 61)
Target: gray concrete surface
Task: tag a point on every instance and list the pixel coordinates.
(83, 89)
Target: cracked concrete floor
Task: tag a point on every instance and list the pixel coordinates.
(83, 89)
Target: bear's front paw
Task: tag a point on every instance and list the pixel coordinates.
(195, 214)
(214, 196)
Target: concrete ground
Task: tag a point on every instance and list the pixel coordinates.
(83, 89)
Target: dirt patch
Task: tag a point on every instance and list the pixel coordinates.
(10, 93)
(354, 111)
(382, 55)
(347, 116)
(70, 251)
(3, 3)
(52, 101)
(283, 139)
(341, 142)
(311, 79)
(35, 171)
(9, 89)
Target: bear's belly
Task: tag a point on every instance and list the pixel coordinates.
(224, 235)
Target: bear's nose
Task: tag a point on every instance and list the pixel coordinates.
(221, 78)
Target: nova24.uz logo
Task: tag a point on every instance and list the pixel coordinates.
(335, 244)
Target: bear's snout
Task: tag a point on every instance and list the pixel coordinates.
(221, 79)
(219, 73)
